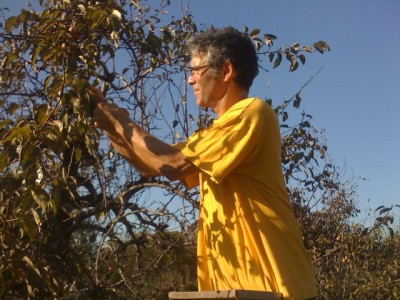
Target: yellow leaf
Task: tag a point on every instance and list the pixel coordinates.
(117, 14)
(36, 217)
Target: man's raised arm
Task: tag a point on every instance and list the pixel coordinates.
(149, 155)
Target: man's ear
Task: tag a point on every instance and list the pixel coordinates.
(229, 71)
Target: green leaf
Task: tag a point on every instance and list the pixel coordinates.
(30, 156)
(24, 16)
(32, 265)
(285, 116)
(254, 32)
(81, 127)
(4, 123)
(271, 57)
(116, 20)
(302, 58)
(47, 81)
(28, 227)
(297, 101)
(270, 36)
(81, 85)
(307, 49)
(258, 43)
(391, 232)
(294, 46)
(321, 46)
(35, 55)
(52, 138)
(26, 201)
(31, 175)
(56, 194)
(297, 156)
(10, 23)
(385, 210)
(293, 66)
(41, 114)
(78, 154)
(41, 197)
(4, 160)
(278, 60)
(18, 132)
(12, 108)
(36, 217)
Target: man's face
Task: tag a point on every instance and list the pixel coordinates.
(207, 83)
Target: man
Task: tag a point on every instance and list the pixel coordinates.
(248, 237)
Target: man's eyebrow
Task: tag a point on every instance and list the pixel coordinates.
(198, 67)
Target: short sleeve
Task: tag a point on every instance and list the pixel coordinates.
(219, 149)
(192, 180)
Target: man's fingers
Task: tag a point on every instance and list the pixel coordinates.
(95, 95)
(95, 98)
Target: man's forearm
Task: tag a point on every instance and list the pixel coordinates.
(123, 147)
(146, 153)
(149, 155)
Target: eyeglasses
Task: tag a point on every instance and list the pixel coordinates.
(196, 70)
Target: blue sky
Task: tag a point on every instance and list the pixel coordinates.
(356, 96)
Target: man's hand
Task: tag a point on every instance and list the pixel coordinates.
(95, 97)
(107, 116)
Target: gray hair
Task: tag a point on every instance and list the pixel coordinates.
(228, 45)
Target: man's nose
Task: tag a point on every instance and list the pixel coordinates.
(191, 80)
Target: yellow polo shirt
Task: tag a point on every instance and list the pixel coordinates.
(248, 237)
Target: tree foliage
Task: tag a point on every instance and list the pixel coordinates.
(78, 222)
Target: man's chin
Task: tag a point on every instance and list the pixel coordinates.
(200, 103)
